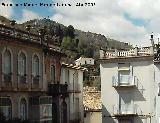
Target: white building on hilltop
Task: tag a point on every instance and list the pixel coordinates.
(130, 86)
(84, 61)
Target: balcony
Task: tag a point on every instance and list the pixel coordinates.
(7, 82)
(7, 78)
(124, 81)
(125, 110)
(57, 89)
(23, 85)
(35, 82)
(22, 79)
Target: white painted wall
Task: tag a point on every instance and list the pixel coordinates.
(74, 80)
(82, 61)
(144, 72)
(93, 117)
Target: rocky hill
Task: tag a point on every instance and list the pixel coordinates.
(75, 42)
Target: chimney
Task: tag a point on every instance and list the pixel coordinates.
(136, 51)
(102, 53)
(116, 52)
(152, 39)
(151, 50)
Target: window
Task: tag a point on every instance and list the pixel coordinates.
(7, 66)
(85, 62)
(35, 65)
(22, 67)
(7, 62)
(23, 109)
(6, 107)
(124, 71)
(52, 72)
(67, 76)
(22, 64)
(35, 69)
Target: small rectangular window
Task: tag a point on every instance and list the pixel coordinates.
(52, 72)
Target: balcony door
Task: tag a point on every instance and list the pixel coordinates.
(125, 103)
(124, 77)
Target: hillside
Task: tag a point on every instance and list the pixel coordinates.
(74, 42)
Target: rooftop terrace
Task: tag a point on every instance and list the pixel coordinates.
(145, 51)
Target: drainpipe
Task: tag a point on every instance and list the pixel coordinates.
(73, 90)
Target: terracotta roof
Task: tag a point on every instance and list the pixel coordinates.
(92, 99)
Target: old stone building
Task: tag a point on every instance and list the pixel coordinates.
(30, 78)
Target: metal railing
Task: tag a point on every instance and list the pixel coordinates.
(125, 109)
(145, 51)
(22, 79)
(7, 78)
(124, 80)
(36, 80)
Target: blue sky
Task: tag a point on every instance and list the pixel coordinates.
(124, 20)
(42, 11)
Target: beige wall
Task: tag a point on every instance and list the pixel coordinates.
(29, 51)
(93, 117)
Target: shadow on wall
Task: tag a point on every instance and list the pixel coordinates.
(142, 119)
(106, 116)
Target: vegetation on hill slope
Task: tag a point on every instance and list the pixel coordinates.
(74, 42)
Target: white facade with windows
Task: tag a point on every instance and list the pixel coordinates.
(73, 77)
(84, 61)
(129, 86)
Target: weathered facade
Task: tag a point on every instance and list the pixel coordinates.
(30, 70)
(130, 86)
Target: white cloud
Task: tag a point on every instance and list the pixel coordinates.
(107, 18)
(28, 15)
(6, 11)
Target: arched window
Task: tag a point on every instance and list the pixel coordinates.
(35, 65)
(6, 107)
(7, 62)
(22, 67)
(23, 109)
(22, 64)
(7, 66)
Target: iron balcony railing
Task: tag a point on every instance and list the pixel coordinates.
(57, 89)
(36, 80)
(22, 78)
(124, 80)
(7, 78)
(125, 109)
